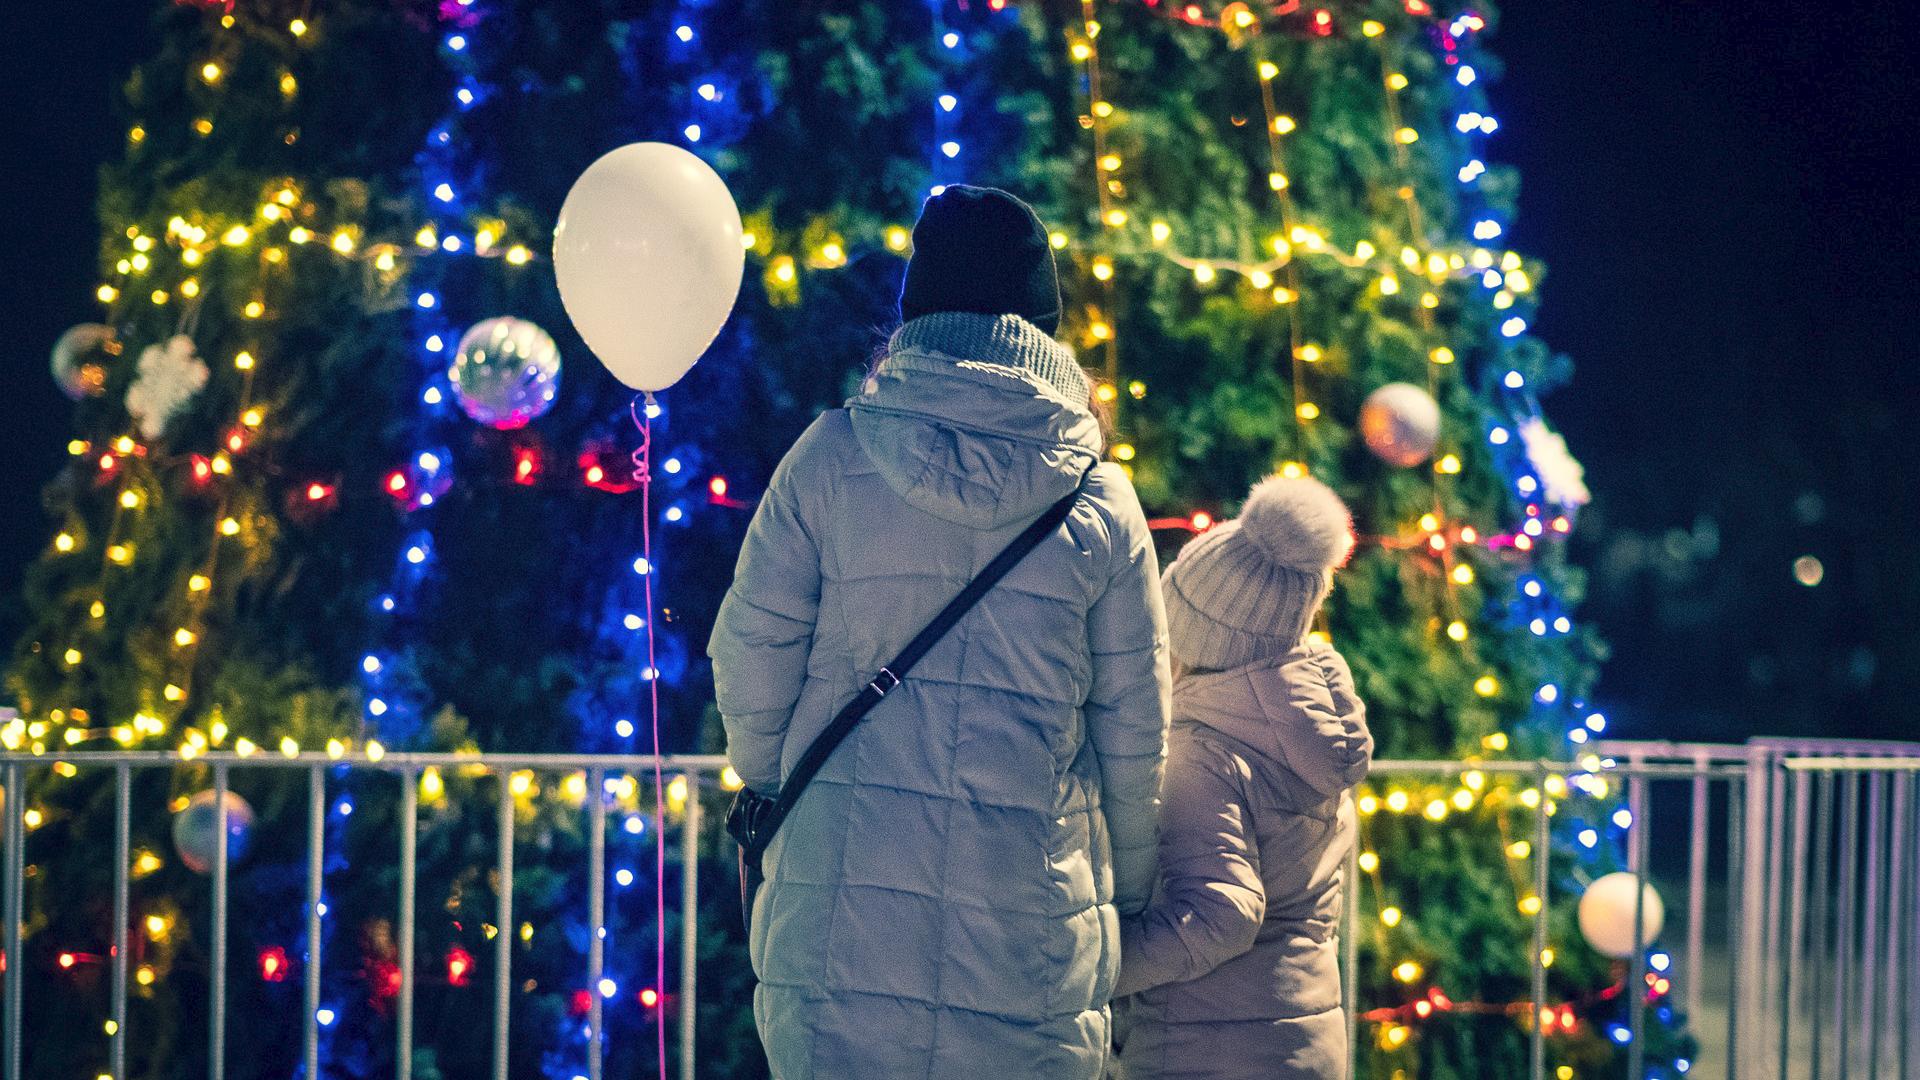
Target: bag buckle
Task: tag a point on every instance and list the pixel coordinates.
(884, 682)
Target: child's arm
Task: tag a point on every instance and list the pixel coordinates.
(765, 629)
(1335, 750)
(1211, 901)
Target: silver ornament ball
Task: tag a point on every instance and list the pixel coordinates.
(506, 372)
(1401, 424)
(80, 357)
(196, 831)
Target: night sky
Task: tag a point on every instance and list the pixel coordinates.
(1720, 194)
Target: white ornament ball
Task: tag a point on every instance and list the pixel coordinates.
(79, 359)
(1606, 915)
(1401, 424)
(506, 372)
(196, 830)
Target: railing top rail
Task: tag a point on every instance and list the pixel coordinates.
(1855, 747)
(391, 760)
(1852, 764)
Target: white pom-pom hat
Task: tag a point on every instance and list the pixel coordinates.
(1247, 589)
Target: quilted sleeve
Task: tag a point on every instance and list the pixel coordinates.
(1211, 900)
(1127, 708)
(764, 630)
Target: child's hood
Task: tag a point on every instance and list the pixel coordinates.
(1300, 710)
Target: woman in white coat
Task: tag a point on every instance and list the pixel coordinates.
(944, 900)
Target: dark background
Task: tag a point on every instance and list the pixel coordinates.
(1721, 194)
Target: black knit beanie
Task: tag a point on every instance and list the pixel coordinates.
(981, 250)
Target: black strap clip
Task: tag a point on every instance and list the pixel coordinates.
(884, 682)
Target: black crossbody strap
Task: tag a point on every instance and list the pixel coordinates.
(891, 675)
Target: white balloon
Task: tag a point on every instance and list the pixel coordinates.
(1606, 915)
(648, 258)
(1400, 423)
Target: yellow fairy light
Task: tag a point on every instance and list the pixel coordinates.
(1105, 392)
(1519, 849)
(1268, 70)
(1277, 181)
(138, 262)
(136, 133)
(1448, 465)
(517, 255)
(229, 526)
(1368, 861)
(222, 464)
(288, 84)
(526, 931)
(98, 609)
(172, 692)
(63, 543)
(251, 418)
(120, 553)
(254, 309)
(1429, 522)
(1407, 136)
(1103, 109)
(1310, 353)
(833, 254)
(1497, 740)
(1367, 804)
(298, 27)
(73, 657)
(1373, 28)
(783, 270)
(190, 288)
(129, 498)
(125, 266)
(1406, 971)
(288, 747)
(1546, 960)
(1463, 574)
(1292, 470)
(1397, 1035)
(520, 783)
(898, 238)
(385, 260)
(1502, 300)
(1474, 780)
(1080, 51)
(1441, 355)
(159, 297)
(1389, 285)
(1110, 162)
(336, 749)
(1259, 279)
(1283, 125)
(1390, 916)
(1160, 231)
(1307, 410)
(1530, 905)
(1203, 273)
(1396, 81)
(1102, 269)
(1285, 296)
(1115, 218)
(210, 73)
(1530, 798)
(184, 637)
(432, 787)
(1437, 264)
(1100, 331)
(245, 747)
(1397, 801)
(236, 236)
(144, 975)
(299, 234)
(107, 294)
(1518, 281)
(1462, 799)
(343, 242)
(1436, 810)
(1125, 452)
(1556, 786)
(157, 926)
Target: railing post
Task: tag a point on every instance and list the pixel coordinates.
(1542, 841)
(1741, 908)
(503, 938)
(1843, 933)
(1870, 949)
(1697, 884)
(122, 858)
(596, 918)
(1899, 899)
(217, 961)
(689, 924)
(409, 844)
(316, 871)
(1795, 915)
(1350, 947)
(1637, 963)
(15, 833)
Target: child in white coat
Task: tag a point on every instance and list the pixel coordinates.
(1234, 966)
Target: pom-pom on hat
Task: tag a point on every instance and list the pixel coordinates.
(1247, 589)
(981, 250)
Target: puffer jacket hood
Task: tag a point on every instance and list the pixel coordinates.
(1285, 710)
(979, 420)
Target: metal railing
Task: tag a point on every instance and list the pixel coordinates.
(1820, 845)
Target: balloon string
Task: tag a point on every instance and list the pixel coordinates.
(643, 476)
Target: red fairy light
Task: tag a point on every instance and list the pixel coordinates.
(1561, 524)
(273, 964)
(1419, 7)
(1523, 542)
(67, 960)
(1439, 999)
(1423, 1009)
(202, 469)
(718, 485)
(526, 465)
(459, 966)
(1437, 542)
(237, 440)
(1193, 13)
(318, 492)
(1202, 521)
(582, 1002)
(385, 977)
(397, 484)
(106, 462)
(595, 474)
(649, 997)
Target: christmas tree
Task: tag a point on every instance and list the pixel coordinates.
(294, 518)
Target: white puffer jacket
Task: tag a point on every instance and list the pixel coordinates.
(944, 900)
